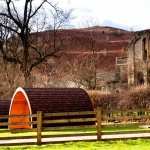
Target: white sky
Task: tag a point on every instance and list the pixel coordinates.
(127, 14)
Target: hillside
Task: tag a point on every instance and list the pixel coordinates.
(79, 40)
(75, 62)
(107, 42)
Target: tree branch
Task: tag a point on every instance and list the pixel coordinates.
(36, 10)
(8, 58)
(9, 28)
(36, 50)
(16, 12)
(40, 60)
(10, 14)
(30, 10)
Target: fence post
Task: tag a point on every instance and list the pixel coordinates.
(39, 127)
(99, 122)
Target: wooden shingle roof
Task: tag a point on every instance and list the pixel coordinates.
(58, 100)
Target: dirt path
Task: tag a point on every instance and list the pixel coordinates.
(75, 138)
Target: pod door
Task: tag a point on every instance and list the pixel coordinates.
(19, 106)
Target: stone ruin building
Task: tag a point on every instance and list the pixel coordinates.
(135, 65)
(139, 59)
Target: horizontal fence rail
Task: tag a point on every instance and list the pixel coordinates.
(42, 122)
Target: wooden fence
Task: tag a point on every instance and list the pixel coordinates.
(42, 122)
(82, 119)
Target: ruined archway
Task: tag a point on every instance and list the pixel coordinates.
(140, 78)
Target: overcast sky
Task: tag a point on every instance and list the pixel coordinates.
(127, 14)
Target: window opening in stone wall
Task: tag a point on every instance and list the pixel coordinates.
(140, 78)
(148, 75)
(144, 49)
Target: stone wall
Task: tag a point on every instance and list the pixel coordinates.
(138, 59)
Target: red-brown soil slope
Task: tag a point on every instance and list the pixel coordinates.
(107, 42)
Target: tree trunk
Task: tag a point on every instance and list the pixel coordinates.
(26, 72)
(27, 80)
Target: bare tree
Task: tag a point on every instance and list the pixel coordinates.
(28, 55)
(79, 70)
(83, 72)
(83, 69)
(10, 78)
(94, 60)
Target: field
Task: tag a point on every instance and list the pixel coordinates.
(139, 144)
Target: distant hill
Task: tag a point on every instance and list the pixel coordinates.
(108, 43)
(105, 38)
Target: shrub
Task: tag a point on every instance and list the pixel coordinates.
(136, 98)
(106, 101)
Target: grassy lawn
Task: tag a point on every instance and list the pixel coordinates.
(125, 127)
(139, 144)
(78, 130)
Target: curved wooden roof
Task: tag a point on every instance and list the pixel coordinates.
(58, 100)
(4, 107)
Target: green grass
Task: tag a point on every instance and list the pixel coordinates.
(124, 127)
(78, 130)
(139, 144)
(55, 132)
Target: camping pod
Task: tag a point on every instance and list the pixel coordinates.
(27, 101)
(4, 110)
(4, 107)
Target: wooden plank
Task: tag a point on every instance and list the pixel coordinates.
(4, 130)
(126, 117)
(64, 127)
(17, 123)
(125, 132)
(19, 116)
(127, 111)
(99, 122)
(69, 120)
(17, 137)
(69, 114)
(39, 128)
(130, 111)
(68, 135)
(15, 144)
(122, 123)
(23, 130)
